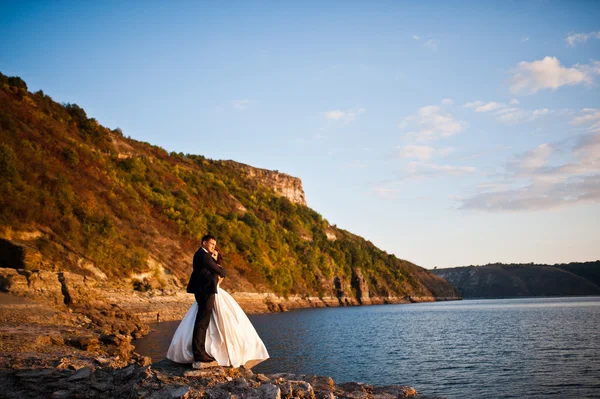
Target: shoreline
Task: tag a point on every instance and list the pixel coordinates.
(173, 306)
(171, 380)
(53, 351)
(65, 335)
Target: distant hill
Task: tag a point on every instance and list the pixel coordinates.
(77, 196)
(521, 280)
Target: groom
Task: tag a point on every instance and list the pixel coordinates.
(203, 284)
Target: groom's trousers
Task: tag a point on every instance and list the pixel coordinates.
(206, 303)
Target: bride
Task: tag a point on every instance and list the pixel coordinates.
(230, 339)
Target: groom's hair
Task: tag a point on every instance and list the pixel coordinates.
(208, 237)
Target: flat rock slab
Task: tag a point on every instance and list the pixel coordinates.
(265, 391)
(262, 378)
(205, 372)
(81, 374)
(208, 365)
(36, 373)
(174, 392)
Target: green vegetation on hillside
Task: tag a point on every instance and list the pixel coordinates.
(117, 202)
(500, 280)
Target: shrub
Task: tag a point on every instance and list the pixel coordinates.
(8, 162)
(71, 157)
(251, 220)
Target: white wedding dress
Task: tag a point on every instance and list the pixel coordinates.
(230, 338)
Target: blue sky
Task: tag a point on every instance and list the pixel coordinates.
(447, 133)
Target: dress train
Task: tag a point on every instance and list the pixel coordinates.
(230, 338)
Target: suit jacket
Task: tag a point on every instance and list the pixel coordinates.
(205, 275)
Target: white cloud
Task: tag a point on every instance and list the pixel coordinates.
(429, 124)
(421, 170)
(534, 159)
(548, 73)
(485, 152)
(538, 113)
(345, 117)
(447, 101)
(241, 105)
(335, 115)
(416, 37)
(589, 116)
(513, 115)
(506, 114)
(431, 44)
(473, 104)
(421, 152)
(524, 39)
(445, 151)
(490, 107)
(532, 183)
(588, 150)
(535, 198)
(480, 106)
(573, 38)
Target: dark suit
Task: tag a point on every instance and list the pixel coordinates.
(203, 284)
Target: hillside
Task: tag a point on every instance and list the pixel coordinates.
(78, 197)
(521, 280)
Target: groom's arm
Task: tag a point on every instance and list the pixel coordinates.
(211, 265)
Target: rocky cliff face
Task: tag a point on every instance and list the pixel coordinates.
(80, 294)
(506, 281)
(284, 185)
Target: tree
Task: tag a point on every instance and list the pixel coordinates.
(17, 82)
(8, 161)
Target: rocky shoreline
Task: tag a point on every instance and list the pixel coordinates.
(171, 380)
(79, 292)
(63, 335)
(47, 351)
(162, 306)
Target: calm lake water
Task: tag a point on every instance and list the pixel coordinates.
(499, 348)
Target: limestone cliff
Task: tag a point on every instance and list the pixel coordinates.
(284, 185)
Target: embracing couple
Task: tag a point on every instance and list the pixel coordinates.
(215, 329)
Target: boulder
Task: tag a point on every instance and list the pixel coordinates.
(354, 390)
(394, 392)
(118, 345)
(265, 391)
(217, 393)
(75, 287)
(56, 287)
(42, 284)
(90, 344)
(300, 389)
(12, 281)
